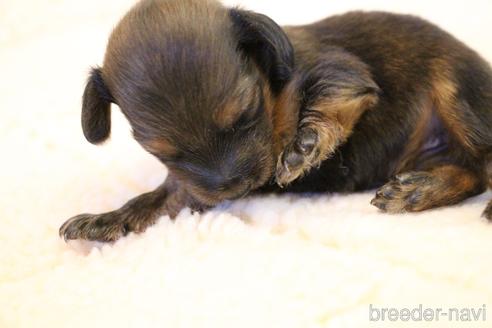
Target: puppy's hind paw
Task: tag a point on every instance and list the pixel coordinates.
(102, 227)
(408, 192)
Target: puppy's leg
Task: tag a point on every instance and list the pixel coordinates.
(462, 92)
(421, 190)
(135, 216)
(487, 213)
(335, 94)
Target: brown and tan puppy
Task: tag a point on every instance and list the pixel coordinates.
(232, 103)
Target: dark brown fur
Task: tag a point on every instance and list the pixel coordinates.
(231, 103)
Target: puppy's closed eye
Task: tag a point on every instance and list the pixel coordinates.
(246, 99)
(249, 117)
(241, 115)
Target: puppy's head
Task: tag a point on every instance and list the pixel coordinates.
(196, 82)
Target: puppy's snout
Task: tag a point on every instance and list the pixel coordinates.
(229, 182)
(226, 175)
(225, 181)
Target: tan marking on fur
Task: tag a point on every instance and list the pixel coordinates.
(417, 138)
(345, 109)
(463, 178)
(455, 184)
(338, 116)
(160, 146)
(225, 116)
(352, 109)
(285, 117)
(444, 94)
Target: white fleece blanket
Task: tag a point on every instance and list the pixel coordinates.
(290, 261)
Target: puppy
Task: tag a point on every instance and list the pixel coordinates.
(232, 103)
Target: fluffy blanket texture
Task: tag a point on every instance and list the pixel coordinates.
(289, 261)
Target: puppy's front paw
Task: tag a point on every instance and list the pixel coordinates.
(102, 227)
(298, 157)
(407, 192)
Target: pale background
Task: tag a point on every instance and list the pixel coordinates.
(288, 261)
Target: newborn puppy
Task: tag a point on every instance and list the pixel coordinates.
(232, 103)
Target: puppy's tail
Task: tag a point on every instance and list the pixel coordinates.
(96, 104)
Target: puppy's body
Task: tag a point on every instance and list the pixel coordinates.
(434, 104)
(222, 95)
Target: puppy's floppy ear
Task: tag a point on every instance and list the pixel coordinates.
(96, 103)
(263, 40)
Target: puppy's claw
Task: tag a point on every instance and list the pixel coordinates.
(378, 203)
(283, 175)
